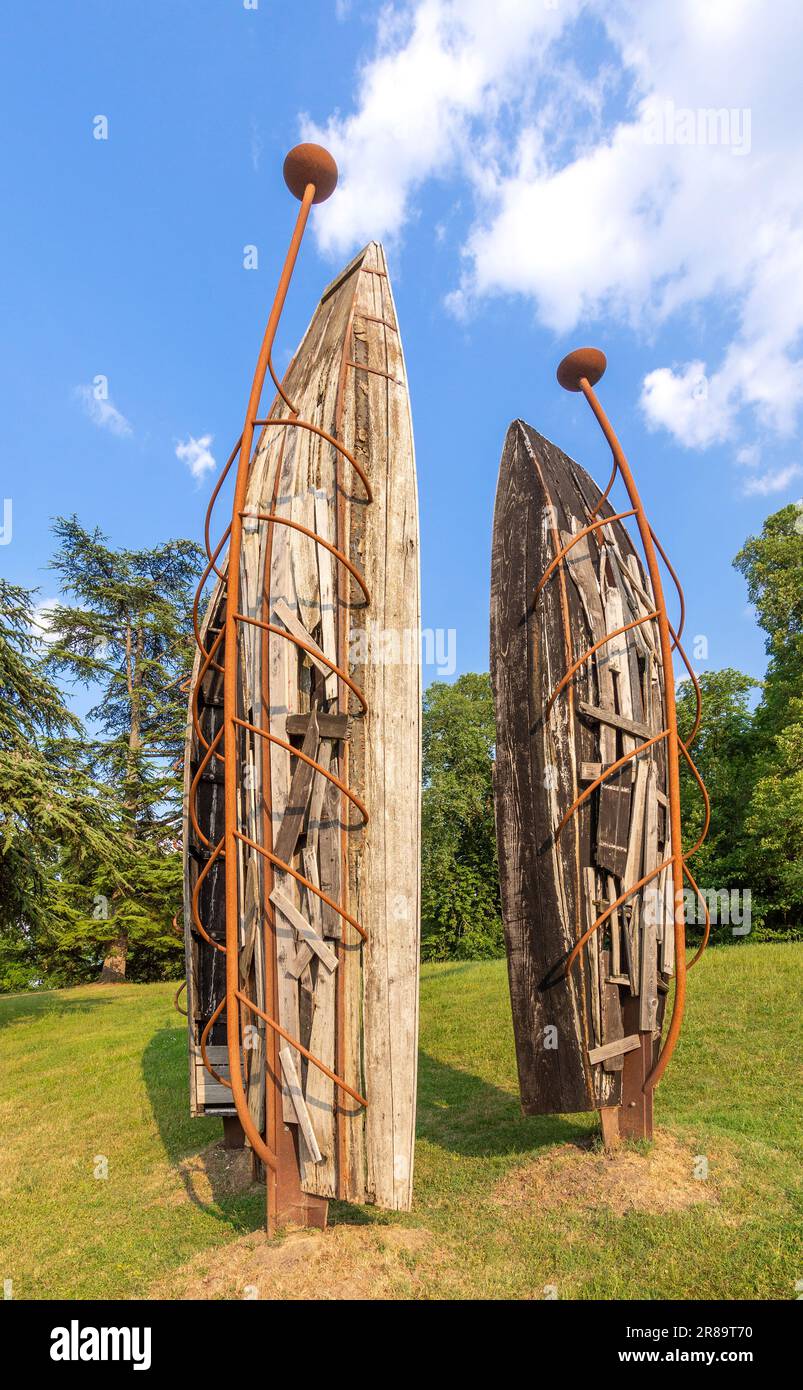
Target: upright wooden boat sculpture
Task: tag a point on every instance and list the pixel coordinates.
(305, 868)
(587, 828)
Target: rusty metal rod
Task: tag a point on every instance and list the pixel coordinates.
(319, 540)
(578, 536)
(310, 1056)
(580, 371)
(589, 652)
(305, 883)
(607, 772)
(230, 673)
(307, 647)
(311, 762)
(673, 767)
(330, 439)
(311, 175)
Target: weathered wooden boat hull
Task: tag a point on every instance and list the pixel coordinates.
(354, 1005)
(555, 885)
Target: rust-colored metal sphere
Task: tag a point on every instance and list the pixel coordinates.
(585, 362)
(310, 164)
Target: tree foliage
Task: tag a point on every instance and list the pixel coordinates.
(127, 633)
(49, 803)
(772, 564)
(90, 817)
(461, 915)
(751, 758)
(724, 753)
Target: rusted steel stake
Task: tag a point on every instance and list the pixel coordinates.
(311, 175)
(580, 371)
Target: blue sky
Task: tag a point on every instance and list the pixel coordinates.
(542, 175)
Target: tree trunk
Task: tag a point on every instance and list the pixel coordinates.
(113, 972)
(114, 964)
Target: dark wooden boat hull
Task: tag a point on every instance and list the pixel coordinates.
(554, 886)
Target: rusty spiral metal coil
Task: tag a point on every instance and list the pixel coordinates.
(580, 371)
(311, 174)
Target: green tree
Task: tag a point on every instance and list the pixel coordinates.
(724, 753)
(772, 564)
(775, 824)
(128, 634)
(49, 804)
(461, 912)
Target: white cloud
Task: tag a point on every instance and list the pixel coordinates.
(102, 411)
(42, 620)
(691, 195)
(773, 480)
(440, 65)
(686, 402)
(197, 455)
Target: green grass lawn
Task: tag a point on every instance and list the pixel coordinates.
(102, 1072)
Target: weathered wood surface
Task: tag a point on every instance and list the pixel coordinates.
(569, 1031)
(360, 1018)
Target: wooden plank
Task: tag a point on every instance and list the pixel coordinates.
(615, 924)
(636, 1117)
(648, 984)
(329, 725)
(609, 1122)
(328, 821)
(592, 953)
(282, 658)
(612, 1028)
(298, 797)
(303, 549)
(320, 1177)
(386, 876)
(282, 610)
(312, 909)
(326, 582)
(616, 721)
(668, 941)
(615, 656)
(307, 933)
(633, 873)
(614, 1049)
(210, 1092)
(218, 1054)
(613, 797)
(315, 808)
(320, 1092)
(293, 1082)
(635, 844)
(613, 820)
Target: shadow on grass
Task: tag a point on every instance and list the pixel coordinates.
(458, 1111)
(464, 1114)
(186, 1140)
(16, 1008)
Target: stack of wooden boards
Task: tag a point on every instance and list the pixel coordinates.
(572, 1032)
(353, 1003)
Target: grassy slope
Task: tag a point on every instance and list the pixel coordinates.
(95, 1071)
